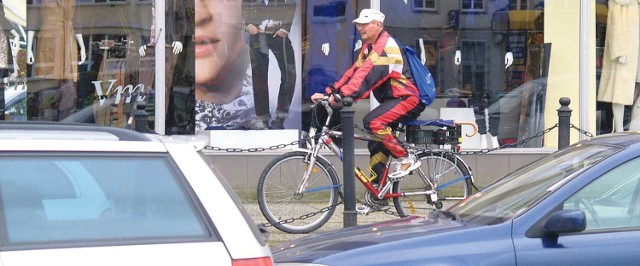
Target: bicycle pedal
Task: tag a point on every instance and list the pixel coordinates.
(363, 211)
(434, 197)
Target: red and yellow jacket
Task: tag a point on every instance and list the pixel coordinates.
(381, 69)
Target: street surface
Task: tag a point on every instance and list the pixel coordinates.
(336, 222)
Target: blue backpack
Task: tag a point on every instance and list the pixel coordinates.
(424, 81)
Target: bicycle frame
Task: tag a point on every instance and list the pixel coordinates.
(326, 138)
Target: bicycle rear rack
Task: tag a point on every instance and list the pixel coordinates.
(432, 135)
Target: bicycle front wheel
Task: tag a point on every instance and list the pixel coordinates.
(287, 209)
(442, 173)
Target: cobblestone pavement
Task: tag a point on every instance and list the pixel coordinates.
(277, 237)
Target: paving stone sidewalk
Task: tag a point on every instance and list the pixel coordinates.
(277, 237)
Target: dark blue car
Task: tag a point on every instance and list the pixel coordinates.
(577, 206)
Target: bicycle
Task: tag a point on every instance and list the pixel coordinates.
(298, 191)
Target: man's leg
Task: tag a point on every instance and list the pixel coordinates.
(388, 113)
(2, 104)
(391, 112)
(378, 156)
(260, 78)
(283, 51)
(377, 165)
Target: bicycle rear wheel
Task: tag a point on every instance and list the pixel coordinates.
(447, 172)
(292, 212)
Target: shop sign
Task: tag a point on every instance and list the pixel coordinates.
(119, 91)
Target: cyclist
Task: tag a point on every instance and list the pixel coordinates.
(381, 70)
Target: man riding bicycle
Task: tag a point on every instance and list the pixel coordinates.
(380, 69)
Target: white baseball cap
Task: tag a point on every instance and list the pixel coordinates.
(368, 15)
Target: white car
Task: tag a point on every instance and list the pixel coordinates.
(81, 194)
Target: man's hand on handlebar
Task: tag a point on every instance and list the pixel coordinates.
(320, 96)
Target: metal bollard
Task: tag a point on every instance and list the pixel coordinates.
(564, 120)
(141, 117)
(348, 164)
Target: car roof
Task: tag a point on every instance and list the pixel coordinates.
(70, 131)
(55, 136)
(622, 139)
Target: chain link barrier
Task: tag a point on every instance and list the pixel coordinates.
(388, 211)
(481, 151)
(270, 148)
(305, 216)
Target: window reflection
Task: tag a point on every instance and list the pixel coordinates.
(489, 61)
(91, 60)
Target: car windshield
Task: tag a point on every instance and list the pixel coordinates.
(520, 190)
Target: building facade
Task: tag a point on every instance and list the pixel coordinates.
(242, 72)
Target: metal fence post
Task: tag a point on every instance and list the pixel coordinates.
(348, 163)
(564, 120)
(141, 117)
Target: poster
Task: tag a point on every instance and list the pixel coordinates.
(247, 61)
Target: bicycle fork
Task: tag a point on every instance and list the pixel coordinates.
(312, 158)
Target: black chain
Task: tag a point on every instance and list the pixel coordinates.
(520, 142)
(274, 147)
(482, 151)
(305, 216)
(584, 132)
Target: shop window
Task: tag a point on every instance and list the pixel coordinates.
(108, 1)
(473, 70)
(82, 1)
(472, 5)
(517, 5)
(425, 5)
(490, 65)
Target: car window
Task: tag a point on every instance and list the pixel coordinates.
(93, 198)
(611, 201)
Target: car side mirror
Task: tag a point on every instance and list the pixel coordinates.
(565, 221)
(560, 222)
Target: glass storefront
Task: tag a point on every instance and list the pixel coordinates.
(89, 61)
(489, 59)
(617, 72)
(251, 65)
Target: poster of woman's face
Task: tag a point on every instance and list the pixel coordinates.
(218, 27)
(237, 86)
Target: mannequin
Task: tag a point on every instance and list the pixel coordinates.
(31, 59)
(57, 51)
(178, 28)
(7, 54)
(634, 125)
(175, 29)
(620, 59)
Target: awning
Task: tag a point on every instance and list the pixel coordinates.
(523, 19)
